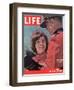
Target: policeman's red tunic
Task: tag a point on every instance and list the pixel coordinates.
(55, 51)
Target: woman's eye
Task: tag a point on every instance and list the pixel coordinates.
(38, 41)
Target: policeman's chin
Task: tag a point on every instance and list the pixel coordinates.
(49, 30)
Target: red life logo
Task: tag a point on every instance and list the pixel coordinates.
(32, 20)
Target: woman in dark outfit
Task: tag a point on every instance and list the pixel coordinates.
(39, 46)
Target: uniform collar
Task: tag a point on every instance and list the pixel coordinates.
(58, 30)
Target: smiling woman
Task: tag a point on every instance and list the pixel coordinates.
(39, 42)
(39, 46)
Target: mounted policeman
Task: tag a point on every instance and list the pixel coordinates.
(54, 25)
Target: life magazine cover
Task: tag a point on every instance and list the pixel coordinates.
(42, 47)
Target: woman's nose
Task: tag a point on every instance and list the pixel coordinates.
(41, 42)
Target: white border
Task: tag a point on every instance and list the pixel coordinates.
(46, 77)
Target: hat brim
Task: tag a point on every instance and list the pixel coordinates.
(43, 24)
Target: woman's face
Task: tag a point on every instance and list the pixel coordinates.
(40, 45)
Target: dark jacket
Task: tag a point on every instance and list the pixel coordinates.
(29, 63)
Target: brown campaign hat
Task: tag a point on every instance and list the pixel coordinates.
(43, 24)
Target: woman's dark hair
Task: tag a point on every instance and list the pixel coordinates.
(35, 36)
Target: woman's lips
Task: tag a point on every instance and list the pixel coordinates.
(41, 47)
